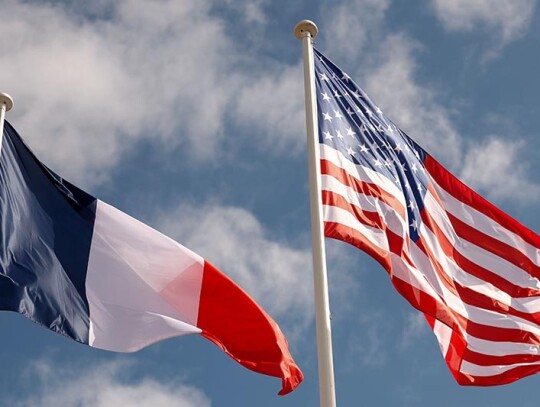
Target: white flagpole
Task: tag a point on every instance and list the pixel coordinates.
(306, 31)
(6, 103)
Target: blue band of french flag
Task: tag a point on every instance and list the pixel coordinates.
(86, 270)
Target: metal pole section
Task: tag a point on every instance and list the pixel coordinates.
(6, 103)
(307, 30)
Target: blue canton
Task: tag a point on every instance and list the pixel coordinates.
(352, 124)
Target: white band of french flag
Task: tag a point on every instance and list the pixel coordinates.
(142, 286)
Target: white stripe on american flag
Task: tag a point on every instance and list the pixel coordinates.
(443, 334)
(338, 215)
(476, 254)
(486, 225)
(392, 218)
(501, 348)
(462, 277)
(428, 281)
(361, 172)
(479, 371)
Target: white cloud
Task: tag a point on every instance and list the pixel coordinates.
(252, 10)
(413, 107)
(85, 89)
(104, 385)
(509, 19)
(273, 104)
(366, 346)
(415, 326)
(350, 25)
(90, 81)
(495, 169)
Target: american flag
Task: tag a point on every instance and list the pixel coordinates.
(469, 267)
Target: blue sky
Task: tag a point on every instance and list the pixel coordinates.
(190, 116)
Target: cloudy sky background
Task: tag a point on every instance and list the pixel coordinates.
(189, 115)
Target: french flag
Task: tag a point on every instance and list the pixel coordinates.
(86, 270)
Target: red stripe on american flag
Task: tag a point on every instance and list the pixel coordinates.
(463, 193)
(352, 236)
(506, 377)
(498, 248)
(368, 218)
(453, 252)
(493, 360)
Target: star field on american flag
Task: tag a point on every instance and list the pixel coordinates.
(351, 123)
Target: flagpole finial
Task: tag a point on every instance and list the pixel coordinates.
(6, 100)
(304, 27)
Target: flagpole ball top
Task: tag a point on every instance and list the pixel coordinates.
(7, 100)
(305, 26)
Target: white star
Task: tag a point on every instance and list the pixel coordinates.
(398, 147)
(350, 132)
(388, 162)
(378, 163)
(340, 136)
(411, 206)
(378, 110)
(414, 224)
(420, 189)
(324, 77)
(356, 94)
(345, 77)
(363, 128)
(390, 130)
(350, 151)
(336, 94)
(338, 115)
(414, 168)
(363, 148)
(327, 117)
(325, 96)
(369, 112)
(350, 112)
(327, 135)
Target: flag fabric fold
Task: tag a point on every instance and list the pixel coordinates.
(469, 267)
(88, 271)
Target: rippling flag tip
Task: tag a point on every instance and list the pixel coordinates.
(469, 267)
